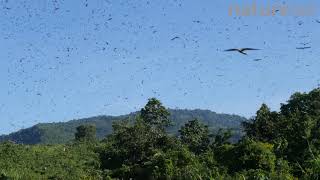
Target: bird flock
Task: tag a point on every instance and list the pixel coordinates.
(57, 55)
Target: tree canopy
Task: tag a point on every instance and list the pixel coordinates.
(276, 145)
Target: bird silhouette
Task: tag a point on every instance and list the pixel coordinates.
(302, 48)
(305, 43)
(177, 37)
(242, 50)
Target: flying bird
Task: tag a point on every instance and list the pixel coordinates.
(177, 37)
(302, 48)
(257, 59)
(305, 43)
(242, 50)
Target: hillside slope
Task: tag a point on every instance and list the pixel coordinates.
(62, 132)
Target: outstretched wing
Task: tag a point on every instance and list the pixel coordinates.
(248, 49)
(303, 47)
(231, 50)
(175, 38)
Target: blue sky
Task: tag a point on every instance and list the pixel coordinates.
(62, 60)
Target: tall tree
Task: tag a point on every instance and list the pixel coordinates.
(132, 143)
(221, 137)
(195, 135)
(249, 154)
(86, 133)
(154, 114)
(264, 126)
(294, 130)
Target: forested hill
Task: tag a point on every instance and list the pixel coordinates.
(62, 132)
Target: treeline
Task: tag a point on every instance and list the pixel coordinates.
(63, 132)
(277, 145)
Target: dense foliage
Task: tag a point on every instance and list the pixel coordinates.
(71, 161)
(277, 145)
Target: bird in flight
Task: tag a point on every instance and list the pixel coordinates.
(305, 43)
(177, 37)
(302, 48)
(242, 50)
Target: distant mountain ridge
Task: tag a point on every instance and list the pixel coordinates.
(63, 132)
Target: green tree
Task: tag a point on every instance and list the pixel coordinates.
(250, 155)
(195, 135)
(294, 130)
(86, 133)
(222, 137)
(133, 143)
(68, 161)
(264, 126)
(154, 114)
